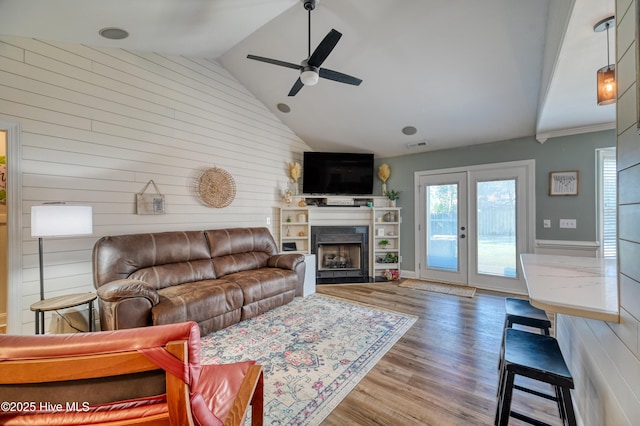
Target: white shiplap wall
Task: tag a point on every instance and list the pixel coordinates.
(604, 358)
(97, 124)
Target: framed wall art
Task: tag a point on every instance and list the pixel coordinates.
(563, 183)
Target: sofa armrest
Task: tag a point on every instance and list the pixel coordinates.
(285, 261)
(119, 290)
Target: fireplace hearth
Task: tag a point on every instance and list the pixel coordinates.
(342, 253)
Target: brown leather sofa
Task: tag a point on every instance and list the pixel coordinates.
(215, 277)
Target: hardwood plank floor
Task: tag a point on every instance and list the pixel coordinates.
(443, 371)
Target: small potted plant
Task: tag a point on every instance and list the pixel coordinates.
(393, 196)
(383, 243)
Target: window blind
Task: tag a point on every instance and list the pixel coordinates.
(608, 203)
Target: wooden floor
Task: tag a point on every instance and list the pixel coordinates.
(443, 371)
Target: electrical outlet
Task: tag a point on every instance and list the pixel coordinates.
(547, 223)
(268, 221)
(567, 223)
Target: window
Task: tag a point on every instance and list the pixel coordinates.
(607, 200)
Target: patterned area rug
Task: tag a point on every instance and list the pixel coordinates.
(456, 290)
(314, 351)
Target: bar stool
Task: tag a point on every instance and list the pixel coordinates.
(520, 311)
(537, 357)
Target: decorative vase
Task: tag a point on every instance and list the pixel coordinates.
(384, 189)
(392, 203)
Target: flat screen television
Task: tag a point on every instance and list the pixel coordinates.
(337, 173)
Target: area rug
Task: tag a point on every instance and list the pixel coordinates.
(314, 351)
(456, 290)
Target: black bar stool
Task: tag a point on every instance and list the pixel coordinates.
(520, 311)
(538, 357)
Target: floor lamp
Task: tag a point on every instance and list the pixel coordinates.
(58, 220)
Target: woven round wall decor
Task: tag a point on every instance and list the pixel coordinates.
(216, 187)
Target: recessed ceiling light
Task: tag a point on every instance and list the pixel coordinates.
(283, 108)
(409, 130)
(114, 33)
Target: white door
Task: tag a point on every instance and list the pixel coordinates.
(473, 225)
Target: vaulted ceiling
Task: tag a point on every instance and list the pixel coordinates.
(461, 72)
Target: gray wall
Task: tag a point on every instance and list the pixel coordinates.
(564, 153)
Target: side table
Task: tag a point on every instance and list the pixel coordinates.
(62, 302)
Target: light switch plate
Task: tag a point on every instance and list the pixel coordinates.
(547, 223)
(567, 223)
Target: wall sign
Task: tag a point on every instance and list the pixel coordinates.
(563, 183)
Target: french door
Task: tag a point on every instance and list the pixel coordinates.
(474, 223)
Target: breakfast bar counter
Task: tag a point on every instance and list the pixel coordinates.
(579, 286)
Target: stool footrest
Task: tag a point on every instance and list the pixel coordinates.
(528, 419)
(536, 393)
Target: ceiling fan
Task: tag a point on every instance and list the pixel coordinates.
(309, 68)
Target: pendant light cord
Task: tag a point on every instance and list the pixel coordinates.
(608, 62)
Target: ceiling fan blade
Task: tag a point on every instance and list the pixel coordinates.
(324, 48)
(274, 62)
(338, 76)
(296, 87)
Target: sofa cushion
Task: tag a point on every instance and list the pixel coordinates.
(162, 276)
(197, 301)
(240, 249)
(264, 283)
(117, 257)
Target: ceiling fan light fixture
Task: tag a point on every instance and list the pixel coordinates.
(309, 76)
(606, 76)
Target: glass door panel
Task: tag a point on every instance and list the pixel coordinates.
(443, 216)
(442, 227)
(496, 228)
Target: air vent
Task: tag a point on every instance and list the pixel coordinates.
(420, 144)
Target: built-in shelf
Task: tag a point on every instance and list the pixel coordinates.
(383, 222)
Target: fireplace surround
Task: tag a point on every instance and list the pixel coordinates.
(342, 253)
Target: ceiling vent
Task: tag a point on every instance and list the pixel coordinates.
(420, 144)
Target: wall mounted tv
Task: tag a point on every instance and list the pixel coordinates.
(337, 173)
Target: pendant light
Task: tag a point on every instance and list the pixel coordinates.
(607, 74)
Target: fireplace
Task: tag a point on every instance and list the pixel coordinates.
(342, 253)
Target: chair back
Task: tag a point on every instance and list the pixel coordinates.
(110, 377)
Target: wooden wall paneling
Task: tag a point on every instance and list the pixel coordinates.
(626, 68)
(628, 228)
(98, 123)
(629, 253)
(601, 393)
(628, 188)
(629, 292)
(628, 149)
(625, 34)
(626, 110)
(12, 52)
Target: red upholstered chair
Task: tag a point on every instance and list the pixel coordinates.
(139, 376)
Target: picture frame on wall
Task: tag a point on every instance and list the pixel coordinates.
(563, 183)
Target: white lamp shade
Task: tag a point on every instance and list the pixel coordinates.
(57, 220)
